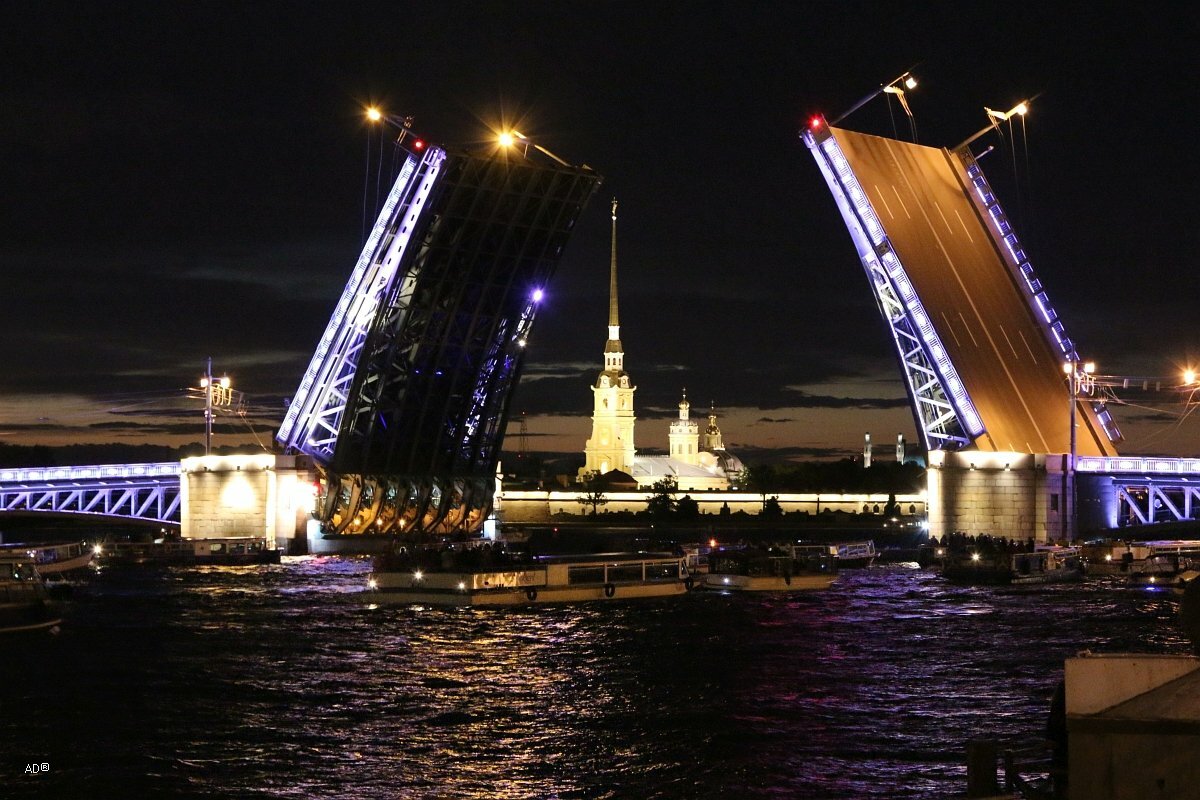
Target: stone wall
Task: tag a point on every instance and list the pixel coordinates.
(1015, 495)
(246, 495)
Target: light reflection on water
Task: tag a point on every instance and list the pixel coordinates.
(283, 681)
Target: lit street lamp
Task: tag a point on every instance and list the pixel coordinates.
(994, 120)
(1080, 378)
(906, 80)
(216, 393)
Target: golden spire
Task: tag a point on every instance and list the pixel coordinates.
(612, 277)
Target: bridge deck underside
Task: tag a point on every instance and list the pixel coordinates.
(1011, 371)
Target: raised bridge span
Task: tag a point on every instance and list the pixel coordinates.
(1011, 450)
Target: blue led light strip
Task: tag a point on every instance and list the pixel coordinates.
(1036, 294)
(313, 419)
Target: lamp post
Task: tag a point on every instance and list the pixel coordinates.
(892, 87)
(215, 393)
(1080, 377)
(994, 120)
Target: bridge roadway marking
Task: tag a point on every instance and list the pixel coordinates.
(970, 300)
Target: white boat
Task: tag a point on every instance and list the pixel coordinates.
(220, 551)
(1004, 565)
(24, 605)
(468, 579)
(788, 568)
(54, 559)
(1143, 562)
(856, 554)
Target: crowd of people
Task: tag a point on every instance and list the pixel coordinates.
(959, 542)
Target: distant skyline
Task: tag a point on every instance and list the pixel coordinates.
(184, 182)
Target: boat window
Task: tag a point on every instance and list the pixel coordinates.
(662, 571)
(577, 575)
(625, 573)
(726, 565)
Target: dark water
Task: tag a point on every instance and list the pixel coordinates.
(283, 682)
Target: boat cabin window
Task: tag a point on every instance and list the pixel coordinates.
(662, 571)
(19, 572)
(625, 573)
(577, 575)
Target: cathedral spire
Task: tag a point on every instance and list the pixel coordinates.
(614, 326)
(614, 355)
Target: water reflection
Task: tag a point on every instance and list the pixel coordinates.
(283, 681)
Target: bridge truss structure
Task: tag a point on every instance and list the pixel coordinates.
(129, 492)
(404, 403)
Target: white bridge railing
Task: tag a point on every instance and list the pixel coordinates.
(147, 492)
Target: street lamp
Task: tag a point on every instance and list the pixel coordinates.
(1081, 377)
(897, 87)
(216, 393)
(512, 138)
(994, 120)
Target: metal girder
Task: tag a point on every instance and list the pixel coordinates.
(314, 416)
(1145, 502)
(1022, 270)
(144, 492)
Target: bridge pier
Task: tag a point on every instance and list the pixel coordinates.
(1015, 495)
(262, 495)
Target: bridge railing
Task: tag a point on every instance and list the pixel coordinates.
(145, 492)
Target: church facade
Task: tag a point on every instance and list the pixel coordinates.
(694, 464)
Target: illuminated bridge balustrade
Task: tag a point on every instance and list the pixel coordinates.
(1148, 489)
(143, 492)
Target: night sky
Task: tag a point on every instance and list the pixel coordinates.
(187, 180)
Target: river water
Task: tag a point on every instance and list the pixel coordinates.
(285, 682)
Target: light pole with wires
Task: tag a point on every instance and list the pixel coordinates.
(216, 393)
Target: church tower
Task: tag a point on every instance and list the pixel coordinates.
(685, 435)
(712, 434)
(611, 444)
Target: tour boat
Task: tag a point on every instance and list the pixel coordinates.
(1143, 562)
(220, 551)
(1044, 564)
(772, 569)
(483, 577)
(63, 566)
(24, 605)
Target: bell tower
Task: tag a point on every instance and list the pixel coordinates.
(611, 444)
(685, 435)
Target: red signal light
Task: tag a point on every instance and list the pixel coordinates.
(814, 123)
(418, 144)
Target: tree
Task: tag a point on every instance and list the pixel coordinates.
(771, 508)
(687, 509)
(661, 503)
(593, 495)
(762, 479)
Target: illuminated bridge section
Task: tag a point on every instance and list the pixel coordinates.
(132, 492)
(1142, 490)
(404, 404)
(979, 343)
(315, 414)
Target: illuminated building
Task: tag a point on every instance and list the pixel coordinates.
(611, 445)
